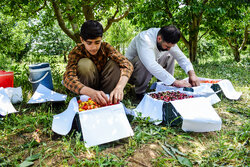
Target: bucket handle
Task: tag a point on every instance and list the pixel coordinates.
(39, 79)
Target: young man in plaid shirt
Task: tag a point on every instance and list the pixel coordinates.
(95, 67)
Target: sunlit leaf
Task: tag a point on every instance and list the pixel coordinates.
(184, 161)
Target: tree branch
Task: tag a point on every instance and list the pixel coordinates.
(230, 43)
(61, 21)
(203, 34)
(201, 13)
(185, 41)
(87, 11)
(71, 18)
(19, 6)
(95, 4)
(168, 10)
(246, 32)
(113, 19)
(171, 16)
(45, 3)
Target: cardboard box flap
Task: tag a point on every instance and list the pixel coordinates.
(152, 108)
(198, 115)
(43, 94)
(228, 90)
(62, 123)
(226, 87)
(6, 106)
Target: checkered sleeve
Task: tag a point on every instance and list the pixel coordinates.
(125, 66)
(70, 78)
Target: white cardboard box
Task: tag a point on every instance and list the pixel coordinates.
(195, 114)
(98, 126)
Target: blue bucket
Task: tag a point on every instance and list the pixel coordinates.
(40, 74)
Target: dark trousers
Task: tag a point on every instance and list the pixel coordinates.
(141, 76)
(106, 80)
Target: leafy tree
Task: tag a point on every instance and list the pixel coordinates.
(70, 14)
(192, 17)
(232, 25)
(51, 41)
(120, 35)
(14, 39)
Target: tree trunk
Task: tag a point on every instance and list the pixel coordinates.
(193, 38)
(236, 49)
(88, 11)
(236, 55)
(193, 50)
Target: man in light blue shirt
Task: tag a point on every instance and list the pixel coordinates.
(152, 53)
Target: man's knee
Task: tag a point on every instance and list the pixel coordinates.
(110, 76)
(85, 65)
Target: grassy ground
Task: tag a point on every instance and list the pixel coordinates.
(150, 146)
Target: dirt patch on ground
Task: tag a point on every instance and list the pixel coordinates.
(117, 150)
(143, 157)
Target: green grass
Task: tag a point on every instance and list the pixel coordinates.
(150, 146)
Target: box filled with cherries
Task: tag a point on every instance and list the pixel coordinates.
(158, 103)
(170, 96)
(89, 105)
(169, 114)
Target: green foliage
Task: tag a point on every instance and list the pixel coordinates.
(231, 23)
(29, 161)
(195, 19)
(176, 154)
(70, 14)
(50, 41)
(120, 35)
(14, 37)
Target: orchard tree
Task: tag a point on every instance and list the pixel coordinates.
(70, 14)
(187, 15)
(51, 41)
(190, 16)
(14, 39)
(121, 34)
(232, 25)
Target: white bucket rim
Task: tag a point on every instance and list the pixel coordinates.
(40, 69)
(38, 64)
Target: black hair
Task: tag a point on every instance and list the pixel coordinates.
(91, 29)
(170, 34)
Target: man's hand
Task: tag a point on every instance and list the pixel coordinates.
(116, 95)
(181, 84)
(96, 95)
(193, 79)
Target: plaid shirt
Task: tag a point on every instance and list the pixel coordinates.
(106, 52)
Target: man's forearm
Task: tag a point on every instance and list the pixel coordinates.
(122, 82)
(191, 73)
(86, 91)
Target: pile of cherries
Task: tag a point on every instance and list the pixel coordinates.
(89, 105)
(170, 96)
(209, 81)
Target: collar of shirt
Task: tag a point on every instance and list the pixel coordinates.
(85, 51)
